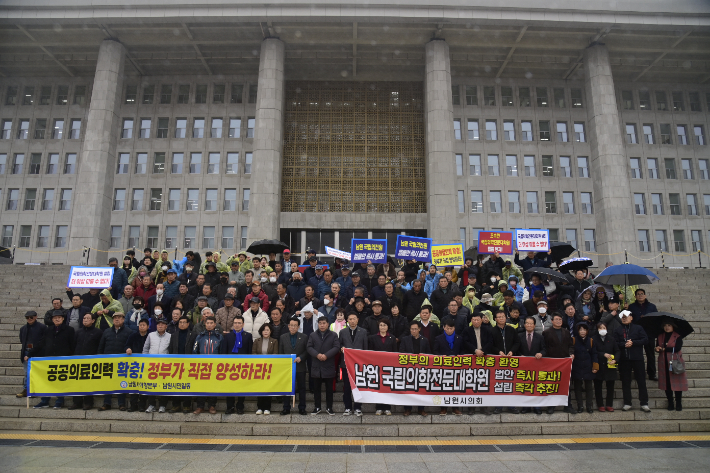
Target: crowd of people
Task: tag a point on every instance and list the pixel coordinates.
(265, 305)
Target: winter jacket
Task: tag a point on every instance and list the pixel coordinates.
(440, 299)
(186, 349)
(145, 292)
(157, 344)
(253, 324)
(496, 266)
(32, 335)
(638, 310)
(372, 323)
(555, 347)
(225, 316)
(328, 344)
(87, 299)
(297, 290)
(135, 316)
(208, 343)
(442, 347)
(585, 358)
(505, 340)
(604, 346)
(135, 342)
(171, 289)
(264, 304)
(113, 341)
(432, 283)
(413, 303)
(515, 305)
(300, 349)
(510, 272)
(75, 316)
(470, 343)
(637, 335)
(86, 341)
(400, 326)
(460, 318)
(58, 341)
(375, 343)
(542, 325)
(105, 321)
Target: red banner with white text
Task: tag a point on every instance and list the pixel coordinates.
(451, 381)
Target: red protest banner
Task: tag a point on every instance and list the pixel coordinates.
(466, 380)
(490, 242)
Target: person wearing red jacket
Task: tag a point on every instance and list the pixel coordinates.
(147, 289)
(256, 291)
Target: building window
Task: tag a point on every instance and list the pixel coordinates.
(491, 130)
(559, 94)
(550, 202)
(35, 163)
(627, 100)
(643, 240)
(237, 93)
(7, 231)
(3, 163)
(495, 203)
(228, 237)
(28, 97)
(652, 164)
(686, 168)
(471, 95)
(48, 199)
(141, 163)
(40, 128)
(585, 199)
(489, 96)
(252, 93)
(213, 163)
(190, 237)
(682, 134)
(666, 134)
(508, 130)
(201, 93)
(127, 130)
(568, 202)
(679, 241)
(251, 121)
(159, 163)
(131, 93)
(462, 235)
(589, 242)
(579, 132)
(571, 237)
(694, 100)
(565, 166)
(526, 131)
(80, 95)
(459, 165)
(152, 237)
(648, 133)
(524, 96)
(474, 164)
(674, 201)
(529, 163)
(174, 199)
(582, 166)
(162, 131)
(11, 97)
(210, 199)
(640, 204)
(134, 235)
(514, 202)
(541, 94)
(476, 201)
(455, 95)
(678, 102)
(243, 239)
(462, 205)
(218, 93)
(115, 237)
(145, 128)
(548, 168)
(180, 127)
(554, 235)
(137, 200)
(511, 165)
(166, 93)
(43, 236)
(70, 164)
(474, 235)
(170, 237)
(670, 168)
(706, 203)
(18, 164)
(235, 125)
(23, 130)
(123, 162)
(692, 202)
(58, 131)
(30, 198)
(232, 163)
(183, 93)
(148, 94)
(562, 132)
(661, 240)
(13, 195)
(208, 237)
(6, 129)
(544, 130)
(657, 204)
(156, 199)
(119, 199)
(247, 163)
(644, 100)
(631, 134)
(576, 98)
(216, 130)
(493, 169)
(636, 168)
(53, 164)
(531, 198)
(702, 169)
(230, 200)
(193, 200)
(699, 135)
(176, 164)
(198, 129)
(696, 240)
(473, 130)
(457, 129)
(245, 199)
(661, 101)
(195, 163)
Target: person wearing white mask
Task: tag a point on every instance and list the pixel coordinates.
(268, 284)
(159, 296)
(608, 354)
(328, 308)
(543, 320)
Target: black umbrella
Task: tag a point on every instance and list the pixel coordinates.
(654, 321)
(560, 250)
(5, 255)
(471, 253)
(575, 264)
(264, 247)
(549, 272)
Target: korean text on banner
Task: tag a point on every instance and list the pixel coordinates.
(369, 251)
(491, 242)
(532, 240)
(81, 276)
(447, 255)
(413, 248)
(451, 381)
(337, 253)
(176, 375)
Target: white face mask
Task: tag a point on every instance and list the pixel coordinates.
(493, 279)
(602, 332)
(159, 292)
(542, 310)
(263, 279)
(158, 311)
(188, 270)
(326, 301)
(272, 279)
(164, 268)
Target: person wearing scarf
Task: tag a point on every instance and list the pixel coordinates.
(448, 344)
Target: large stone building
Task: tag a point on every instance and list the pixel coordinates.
(172, 124)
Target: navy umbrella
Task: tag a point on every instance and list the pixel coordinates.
(575, 264)
(626, 275)
(653, 322)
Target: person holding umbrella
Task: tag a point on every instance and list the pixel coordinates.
(630, 339)
(670, 344)
(639, 309)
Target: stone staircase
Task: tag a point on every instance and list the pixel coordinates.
(683, 292)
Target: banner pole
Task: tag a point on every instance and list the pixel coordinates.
(293, 403)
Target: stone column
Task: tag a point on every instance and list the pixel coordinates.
(442, 208)
(612, 198)
(265, 205)
(93, 194)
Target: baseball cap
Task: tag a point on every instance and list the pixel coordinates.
(229, 296)
(201, 298)
(319, 266)
(376, 303)
(172, 271)
(287, 250)
(312, 258)
(161, 321)
(542, 303)
(345, 266)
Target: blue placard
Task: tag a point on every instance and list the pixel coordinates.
(368, 251)
(413, 248)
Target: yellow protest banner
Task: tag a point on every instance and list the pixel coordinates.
(178, 375)
(447, 255)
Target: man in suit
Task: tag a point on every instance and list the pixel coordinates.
(559, 344)
(448, 344)
(295, 343)
(505, 343)
(531, 344)
(429, 329)
(181, 342)
(237, 342)
(355, 337)
(322, 346)
(478, 338)
(414, 344)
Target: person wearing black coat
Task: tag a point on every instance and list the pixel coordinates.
(181, 342)
(383, 340)
(58, 341)
(413, 300)
(86, 342)
(88, 299)
(414, 344)
(584, 366)
(113, 342)
(558, 342)
(505, 337)
(372, 323)
(442, 295)
(400, 324)
(472, 334)
(134, 344)
(448, 344)
(32, 340)
(493, 263)
(231, 345)
(607, 354)
(411, 270)
(294, 342)
(531, 344)
(630, 340)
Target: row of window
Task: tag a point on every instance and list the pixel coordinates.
(177, 162)
(523, 98)
(147, 95)
(666, 134)
(40, 131)
(528, 169)
(696, 240)
(495, 202)
(152, 239)
(526, 130)
(674, 204)
(660, 98)
(53, 165)
(669, 164)
(174, 199)
(31, 202)
(181, 131)
(29, 95)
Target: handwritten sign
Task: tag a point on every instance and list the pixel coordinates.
(81, 276)
(372, 251)
(532, 240)
(491, 242)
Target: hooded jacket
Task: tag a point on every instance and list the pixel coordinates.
(208, 343)
(432, 282)
(263, 298)
(106, 320)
